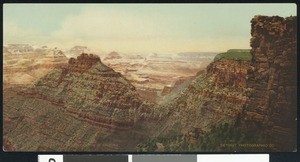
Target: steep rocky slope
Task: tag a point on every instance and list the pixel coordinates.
(272, 101)
(79, 104)
(212, 98)
(238, 105)
(229, 72)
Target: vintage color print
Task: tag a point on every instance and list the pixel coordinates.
(149, 78)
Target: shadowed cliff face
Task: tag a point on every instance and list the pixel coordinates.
(272, 80)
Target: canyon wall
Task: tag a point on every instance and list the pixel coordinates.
(83, 104)
(272, 80)
(229, 72)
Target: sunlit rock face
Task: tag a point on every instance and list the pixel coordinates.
(83, 98)
(229, 72)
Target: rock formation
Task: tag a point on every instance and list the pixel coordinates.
(183, 121)
(202, 104)
(166, 90)
(259, 96)
(263, 90)
(272, 80)
(88, 81)
(84, 61)
(229, 72)
(84, 95)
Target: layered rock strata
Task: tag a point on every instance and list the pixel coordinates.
(82, 101)
(200, 105)
(272, 80)
(229, 72)
(87, 84)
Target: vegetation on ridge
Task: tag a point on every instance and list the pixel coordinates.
(234, 54)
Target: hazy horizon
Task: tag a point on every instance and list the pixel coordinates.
(133, 28)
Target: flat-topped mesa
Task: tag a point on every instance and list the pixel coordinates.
(84, 61)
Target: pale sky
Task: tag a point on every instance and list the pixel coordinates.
(137, 27)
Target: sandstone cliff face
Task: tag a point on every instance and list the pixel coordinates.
(229, 72)
(272, 80)
(83, 102)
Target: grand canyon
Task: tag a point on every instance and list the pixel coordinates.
(78, 100)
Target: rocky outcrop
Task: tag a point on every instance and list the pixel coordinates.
(84, 61)
(201, 104)
(92, 84)
(272, 80)
(167, 90)
(213, 96)
(229, 72)
(84, 95)
(258, 95)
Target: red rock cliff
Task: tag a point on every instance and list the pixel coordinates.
(229, 72)
(272, 80)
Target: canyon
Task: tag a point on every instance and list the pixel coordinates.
(185, 103)
(81, 96)
(153, 73)
(238, 105)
